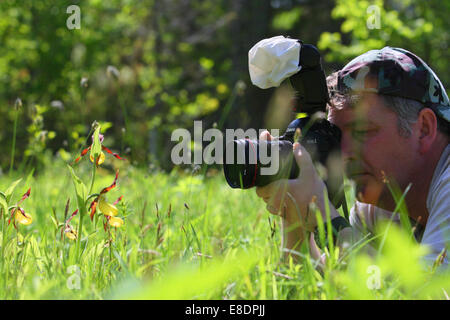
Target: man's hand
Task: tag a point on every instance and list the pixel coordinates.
(291, 199)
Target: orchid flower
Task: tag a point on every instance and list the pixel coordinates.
(101, 158)
(68, 230)
(107, 209)
(18, 214)
(113, 220)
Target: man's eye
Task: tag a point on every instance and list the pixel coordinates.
(361, 133)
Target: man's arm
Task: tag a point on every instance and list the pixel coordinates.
(291, 200)
(292, 236)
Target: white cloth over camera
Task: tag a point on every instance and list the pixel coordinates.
(272, 60)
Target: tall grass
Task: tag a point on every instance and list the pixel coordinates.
(187, 236)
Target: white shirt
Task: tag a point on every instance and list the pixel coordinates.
(437, 230)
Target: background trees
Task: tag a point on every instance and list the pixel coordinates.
(147, 67)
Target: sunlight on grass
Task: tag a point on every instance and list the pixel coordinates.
(186, 236)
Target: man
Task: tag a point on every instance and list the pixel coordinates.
(394, 115)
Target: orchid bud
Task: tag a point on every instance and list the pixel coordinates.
(84, 82)
(18, 104)
(240, 87)
(57, 104)
(112, 71)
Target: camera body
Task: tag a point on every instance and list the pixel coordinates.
(319, 137)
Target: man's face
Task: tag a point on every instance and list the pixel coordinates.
(373, 149)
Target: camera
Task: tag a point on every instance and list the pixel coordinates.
(319, 137)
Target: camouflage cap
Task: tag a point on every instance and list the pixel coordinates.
(395, 72)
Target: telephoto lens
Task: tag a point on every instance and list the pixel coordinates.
(246, 162)
(256, 163)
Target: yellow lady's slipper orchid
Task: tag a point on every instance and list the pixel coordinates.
(22, 217)
(115, 222)
(68, 230)
(106, 208)
(71, 234)
(18, 214)
(102, 155)
(100, 160)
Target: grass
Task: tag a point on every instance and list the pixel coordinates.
(185, 236)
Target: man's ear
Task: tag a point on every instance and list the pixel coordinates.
(426, 129)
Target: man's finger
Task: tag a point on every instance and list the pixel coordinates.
(303, 158)
(272, 209)
(262, 192)
(268, 190)
(265, 135)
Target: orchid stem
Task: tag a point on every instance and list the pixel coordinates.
(13, 149)
(123, 106)
(80, 226)
(94, 167)
(80, 230)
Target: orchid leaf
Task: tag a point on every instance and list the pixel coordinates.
(3, 205)
(10, 190)
(80, 190)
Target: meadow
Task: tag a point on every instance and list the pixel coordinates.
(143, 69)
(183, 234)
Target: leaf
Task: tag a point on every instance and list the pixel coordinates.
(96, 145)
(29, 177)
(196, 238)
(4, 204)
(54, 222)
(121, 261)
(286, 20)
(10, 190)
(80, 190)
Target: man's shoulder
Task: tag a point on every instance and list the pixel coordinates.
(437, 230)
(439, 192)
(366, 216)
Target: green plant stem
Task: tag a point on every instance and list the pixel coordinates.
(123, 106)
(80, 225)
(3, 239)
(13, 143)
(94, 169)
(223, 118)
(80, 230)
(110, 251)
(227, 108)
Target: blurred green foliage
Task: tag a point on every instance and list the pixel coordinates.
(148, 67)
(419, 26)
